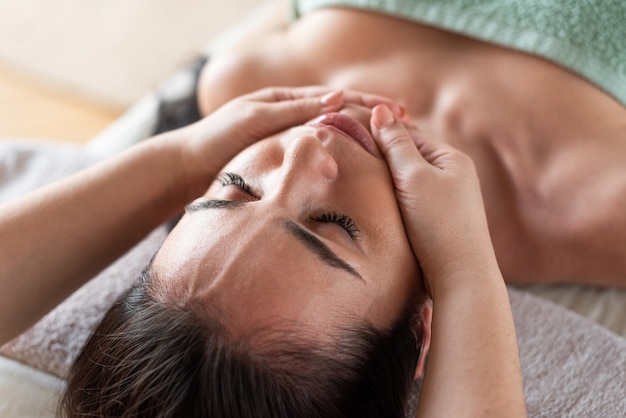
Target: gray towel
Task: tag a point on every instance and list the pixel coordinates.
(572, 367)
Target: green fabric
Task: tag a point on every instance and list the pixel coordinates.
(587, 37)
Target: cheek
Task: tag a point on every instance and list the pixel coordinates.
(376, 184)
(394, 290)
(394, 259)
(382, 215)
(399, 282)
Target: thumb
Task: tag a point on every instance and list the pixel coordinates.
(395, 142)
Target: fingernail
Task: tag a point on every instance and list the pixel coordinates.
(331, 99)
(383, 117)
(400, 111)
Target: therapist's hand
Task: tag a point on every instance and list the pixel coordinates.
(213, 141)
(439, 195)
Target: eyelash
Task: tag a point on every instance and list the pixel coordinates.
(228, 179)
(344, 221)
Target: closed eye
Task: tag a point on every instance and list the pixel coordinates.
(234, 179)
(343, 221)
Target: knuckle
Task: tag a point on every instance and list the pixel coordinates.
(407, 170)
(253, 113)
(303, 109)
(396, 138)
(465, 160)
(269, 91)
(281, 94)
(413, 171)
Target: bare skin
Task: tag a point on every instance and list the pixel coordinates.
(126, 196)
(549, 147)
(123, 198)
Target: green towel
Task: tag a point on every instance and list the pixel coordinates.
(587, 37)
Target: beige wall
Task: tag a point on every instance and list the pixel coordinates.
(108, 51)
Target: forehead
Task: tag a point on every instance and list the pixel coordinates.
(252, 269)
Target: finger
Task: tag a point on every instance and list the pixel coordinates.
(424, 145)
(436, 153)
(373, 100)
(394, 140)
(278, 94)
(288, 113)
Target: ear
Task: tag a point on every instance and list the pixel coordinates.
(425, 317)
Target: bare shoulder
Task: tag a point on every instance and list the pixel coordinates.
(257, 59)
(601, 211)
(577, 217)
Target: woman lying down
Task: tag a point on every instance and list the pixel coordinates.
(327, 260)
(291, 287)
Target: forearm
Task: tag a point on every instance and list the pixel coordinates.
(473, 367)
(58, 237)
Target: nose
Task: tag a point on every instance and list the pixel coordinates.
(307, 168)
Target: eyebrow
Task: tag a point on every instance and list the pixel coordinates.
(213, 204)
(318, 247)
(313, 243)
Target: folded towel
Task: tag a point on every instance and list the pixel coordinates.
(571, 366)
(27, 164)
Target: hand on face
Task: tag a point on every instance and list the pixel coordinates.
(216, 139)
(439, 196)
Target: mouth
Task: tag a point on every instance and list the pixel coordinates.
(349, 127)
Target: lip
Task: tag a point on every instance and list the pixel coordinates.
(349, 127)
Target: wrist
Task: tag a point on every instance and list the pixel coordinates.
(188, 178)
(470, 270)
(466, 281)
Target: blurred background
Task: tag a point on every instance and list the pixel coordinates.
(70, 67)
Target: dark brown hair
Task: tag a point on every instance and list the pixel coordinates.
(148, 358)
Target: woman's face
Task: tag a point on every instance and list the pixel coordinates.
(302, 226)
